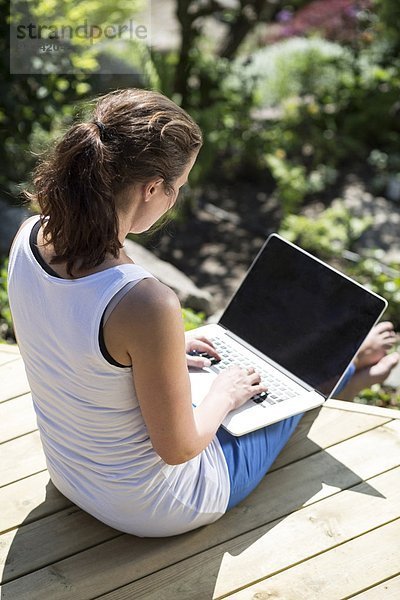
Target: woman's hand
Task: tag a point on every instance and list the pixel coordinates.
(238, 383)
(198, 345)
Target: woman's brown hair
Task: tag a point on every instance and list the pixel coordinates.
(133, 136)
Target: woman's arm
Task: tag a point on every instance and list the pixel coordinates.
(148, 324)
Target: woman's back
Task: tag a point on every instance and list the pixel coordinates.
(97, 447)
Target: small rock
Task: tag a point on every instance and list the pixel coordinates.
(384, 231)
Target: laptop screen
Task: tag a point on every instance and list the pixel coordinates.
(302, 314)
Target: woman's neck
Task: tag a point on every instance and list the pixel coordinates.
(48, 254)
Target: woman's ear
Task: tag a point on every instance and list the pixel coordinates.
(151, 188)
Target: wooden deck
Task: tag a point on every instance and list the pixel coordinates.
(324, 524)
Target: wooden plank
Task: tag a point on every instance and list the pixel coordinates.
(269, 549)
(9, 348)
(20, 458)
(13, 380)
(324, 427)
(360, 408)
(342, 452)
(119, 562)
(28, 500)
(389, 590)
(71, 530)
(8, 352)
(339, 573)
(17, 417)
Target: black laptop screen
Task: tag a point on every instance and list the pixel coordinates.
(302, 314)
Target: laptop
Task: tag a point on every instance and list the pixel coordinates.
(297, 321)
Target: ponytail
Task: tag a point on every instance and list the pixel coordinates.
(76, 200)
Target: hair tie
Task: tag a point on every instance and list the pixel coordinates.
(101, 128)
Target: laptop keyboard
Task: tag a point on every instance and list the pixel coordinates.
(279, 388)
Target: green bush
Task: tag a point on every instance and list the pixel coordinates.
(379, 395)
(221, 103)
(296, 67)
(328, 235)
(319, 107)
(327, 93)
(191, 319)
(294, 183)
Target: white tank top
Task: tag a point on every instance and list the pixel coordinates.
(98, 451)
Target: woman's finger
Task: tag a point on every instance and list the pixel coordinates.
(198, 362)
(203, 346)
(259, 388)
(254, 378)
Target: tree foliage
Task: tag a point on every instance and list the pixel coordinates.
(346, 104)
(239, 22)
(203, 76)
(35, 104)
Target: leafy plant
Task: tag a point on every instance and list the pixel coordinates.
(37, 106)
(191, 319)
(379, 395)
(220, 102)
(316, 112)
(329, 234)
(296, 67)
(293, 181)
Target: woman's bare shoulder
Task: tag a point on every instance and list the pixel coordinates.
(149, 312)
(149, 298)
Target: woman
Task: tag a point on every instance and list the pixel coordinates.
(103, 340)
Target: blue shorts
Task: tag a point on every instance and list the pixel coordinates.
(250, 456)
